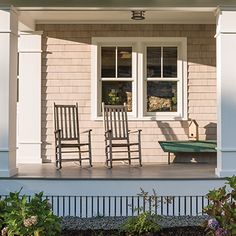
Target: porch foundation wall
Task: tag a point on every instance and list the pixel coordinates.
(66, 78)
(126, 187)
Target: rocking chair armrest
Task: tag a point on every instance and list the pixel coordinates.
(135, 131)
(86, 131)
(58, 132)
(107, 133)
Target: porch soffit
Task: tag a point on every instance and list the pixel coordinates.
(115, 11)
(118, 3)
(119, 17)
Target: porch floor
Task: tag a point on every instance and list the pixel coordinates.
(119, 171)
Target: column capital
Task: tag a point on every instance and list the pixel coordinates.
(8, 7)
(226, 18)
(8, 19)
(30, 42)
(225, 8)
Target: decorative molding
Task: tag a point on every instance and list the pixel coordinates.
(40, 51)
(225, 8)
(5, 31)
(30, 32)
(8, 7)
(30, 142)
(224, 173)
(123, 8)
(144, 22)
(230, 149)
(8, 149)
(9, 172)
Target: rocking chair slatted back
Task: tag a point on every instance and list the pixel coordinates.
(115, 120)
(117, 135)
(66, 119)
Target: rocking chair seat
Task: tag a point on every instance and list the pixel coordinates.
(73, 145)
(123, 144)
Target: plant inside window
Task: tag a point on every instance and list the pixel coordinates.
(116, 76)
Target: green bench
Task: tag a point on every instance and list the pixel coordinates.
(187, 147)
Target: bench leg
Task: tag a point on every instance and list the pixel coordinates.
(168, 158)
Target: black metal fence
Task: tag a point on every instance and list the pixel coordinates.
(93, 206)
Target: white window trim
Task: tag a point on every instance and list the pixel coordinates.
(139, 43)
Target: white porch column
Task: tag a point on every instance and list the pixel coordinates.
(29, 139)
(226, 91)
(8, 90)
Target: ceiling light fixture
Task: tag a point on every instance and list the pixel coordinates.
(138, 15)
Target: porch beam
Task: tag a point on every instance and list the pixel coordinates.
(226, 92)
(8, 90)
(119, 3)
(29, 105)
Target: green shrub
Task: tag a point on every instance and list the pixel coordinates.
(2, 209)
(146, 221)
(34, 218)
(222, 210)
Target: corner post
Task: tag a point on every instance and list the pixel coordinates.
(8, 89)
(226, 91)
(29, 110)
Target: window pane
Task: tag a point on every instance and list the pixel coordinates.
(153, 62)
(124, 61)
(170, 62)
(108, 62)
(161, 96)
(117, 93)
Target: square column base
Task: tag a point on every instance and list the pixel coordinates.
(9, 172)
(8, 163)
(224, 173)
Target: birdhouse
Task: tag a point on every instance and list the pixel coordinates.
(193, 130)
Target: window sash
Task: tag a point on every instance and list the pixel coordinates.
(178, 79)
(132, 79)
(116, 78)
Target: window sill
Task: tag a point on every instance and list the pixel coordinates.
(149, 118)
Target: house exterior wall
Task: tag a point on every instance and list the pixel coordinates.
(66, 78)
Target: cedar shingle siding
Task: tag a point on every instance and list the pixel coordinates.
(66, 78)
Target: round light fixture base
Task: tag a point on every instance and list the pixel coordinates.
(138, 15)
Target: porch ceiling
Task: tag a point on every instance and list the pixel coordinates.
(161, 16)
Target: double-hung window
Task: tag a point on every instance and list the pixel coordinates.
(117, 75)
(148, 74)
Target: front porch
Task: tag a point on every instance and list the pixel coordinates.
(63, 52)
(153, 171)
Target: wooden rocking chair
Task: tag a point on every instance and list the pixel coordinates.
(67, 135)
(117, 134)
